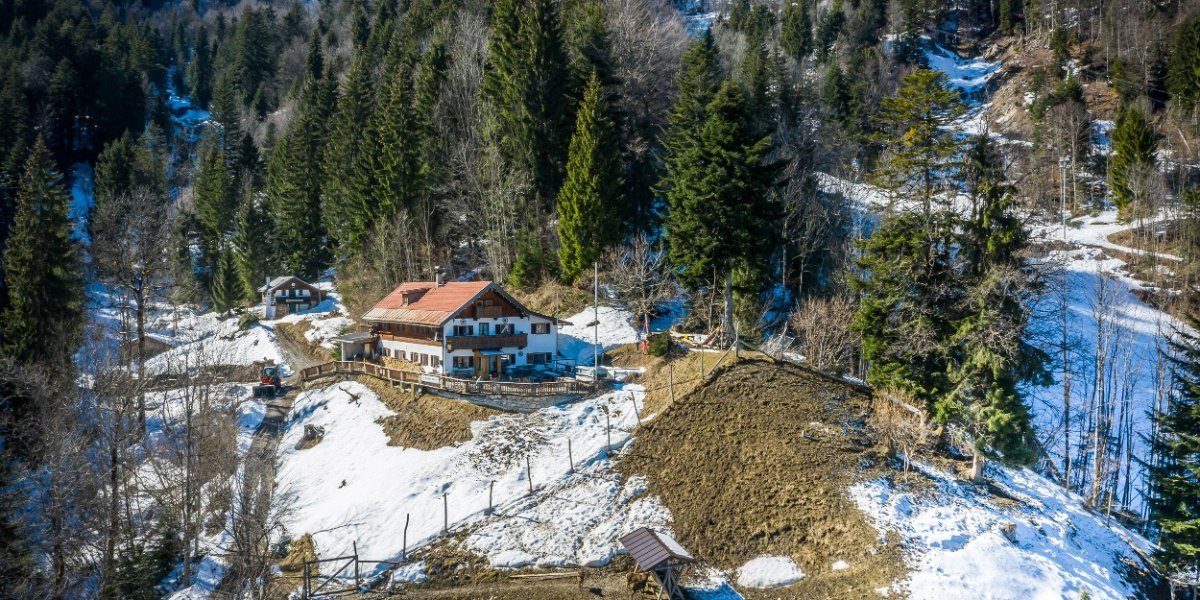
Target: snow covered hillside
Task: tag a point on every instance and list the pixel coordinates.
(1033, 540)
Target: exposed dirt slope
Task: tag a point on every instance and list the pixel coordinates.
(758, 462)
(428, 421)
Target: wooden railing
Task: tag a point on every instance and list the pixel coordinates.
(470, 387)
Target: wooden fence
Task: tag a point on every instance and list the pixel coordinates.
(434, 381)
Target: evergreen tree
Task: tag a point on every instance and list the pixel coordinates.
(397, 162)
(347, 198)
(719, 216)
(527, 83)
(226, 291)
(215, 202)
(1134, 143)
(253, 241)
(698, 79)
(42, 270)
(1175, 473)
(796, 36)
(294, 177)
(589, 39)
(200, 73)
(1183, 76)
(1011, 14)
(588, 220)
(908, 46)
(920, 115)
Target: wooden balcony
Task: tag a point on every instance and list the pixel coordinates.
(383, 335)
(479, 342)
(488, 312)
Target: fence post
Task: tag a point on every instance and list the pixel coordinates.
(528, 473)
(404, 548)
(701, 352)
(671, 380)
(570, 456)
(491, 488)
(445, 514)
(307, 585)
(608, 434)
(633, 400)
(357, 577)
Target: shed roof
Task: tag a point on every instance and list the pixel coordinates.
(652, 549)
(356, 337)
(278, 281)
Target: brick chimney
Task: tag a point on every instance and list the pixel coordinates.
(440, 277)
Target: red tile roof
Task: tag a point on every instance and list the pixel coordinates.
(434, 307)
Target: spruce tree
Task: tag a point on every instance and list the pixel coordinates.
(588, 217)
(200, 71)
(42, 322)
(1183, 75)
(294, 179)
(1133, 142)
(796, 36)
(347, 198)
(919, 161)
(527, 83)
(253, 241)
(396, 161)
(215, 202)
(719, 217)
(1174, 473)
(226, 291)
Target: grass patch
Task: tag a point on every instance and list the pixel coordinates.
(554, 299)
(428, 421)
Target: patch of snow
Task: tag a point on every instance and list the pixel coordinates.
(354, 487)
(207, 339)
(769, 572)
(707, 583)
(615, 329)
(83, 199)
(840, 565)
(1102, 136)
(958, 550)
(969, 75)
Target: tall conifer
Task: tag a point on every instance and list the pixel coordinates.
(42, 270)
(588, 204)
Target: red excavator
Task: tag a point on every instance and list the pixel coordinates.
(270, 383)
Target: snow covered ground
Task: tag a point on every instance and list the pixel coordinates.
(769, 572)
(615, 329)
(958, 546)
(353, 487)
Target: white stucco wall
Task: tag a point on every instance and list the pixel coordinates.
(542, 342)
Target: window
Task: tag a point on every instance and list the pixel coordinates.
(485, 329)
(464, 362)
(538, 358)
(464, 330)
(435, 361)
(540, 328)
(504, 328)
(424, 360)
(402, 355)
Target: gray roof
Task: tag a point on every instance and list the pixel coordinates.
(278, 281)
(356, 337)
(652, 549)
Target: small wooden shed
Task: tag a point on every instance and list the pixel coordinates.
(660, 555)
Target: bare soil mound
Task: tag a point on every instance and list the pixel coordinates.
(426, 422)
(758, 461)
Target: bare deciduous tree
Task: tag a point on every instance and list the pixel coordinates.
(639, 274)
(822, 327)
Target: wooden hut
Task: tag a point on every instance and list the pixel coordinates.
(661, 556)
